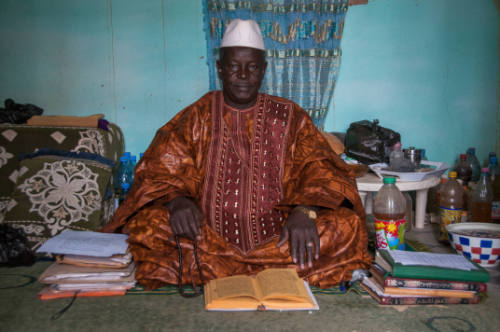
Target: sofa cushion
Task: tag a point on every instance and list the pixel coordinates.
(55, 193)
(21, 139)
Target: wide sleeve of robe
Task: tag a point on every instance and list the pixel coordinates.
(314, 174)
(173, 164)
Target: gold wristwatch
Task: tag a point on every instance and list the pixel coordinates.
(310, 213)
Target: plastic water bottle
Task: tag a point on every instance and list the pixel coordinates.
(121, 176)
(494, 171)
(389, 211)
(463, 169)
(492, 168)
(488, 161)
(124, 191)
(482, 196)
(474, 164)
(433, 199)
(128, 156)
(131, 169)
(451, 204)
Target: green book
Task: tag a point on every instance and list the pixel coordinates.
(386, 261)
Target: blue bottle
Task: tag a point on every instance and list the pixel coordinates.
(122, 175)
(488, 161)
(124, 191)
(131, 169)
(422, 154)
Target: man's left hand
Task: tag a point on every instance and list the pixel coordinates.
(304, 238)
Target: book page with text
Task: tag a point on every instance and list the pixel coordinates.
(450, 261)
(281, 282)
(234, 287)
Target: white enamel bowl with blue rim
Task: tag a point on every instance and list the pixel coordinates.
(479, 242)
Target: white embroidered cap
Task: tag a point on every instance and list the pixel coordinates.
(244, 33)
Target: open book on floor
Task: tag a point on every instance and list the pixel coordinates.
(271, 289)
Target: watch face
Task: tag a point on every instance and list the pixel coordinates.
(311, 214)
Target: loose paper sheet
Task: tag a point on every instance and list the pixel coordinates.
(86, 243)
(431, 259)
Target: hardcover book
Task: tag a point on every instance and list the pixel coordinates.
(422, 269)
(378, 294)
(48, 293)
(385, 279)
(271, 289)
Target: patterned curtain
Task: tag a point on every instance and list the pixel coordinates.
(302, 39)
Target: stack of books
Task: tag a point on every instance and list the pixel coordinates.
(88, 264)
(404, 277)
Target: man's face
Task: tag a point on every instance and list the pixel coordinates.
(241, 70)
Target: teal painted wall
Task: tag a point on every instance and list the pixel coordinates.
(138, 62)
(426, 68)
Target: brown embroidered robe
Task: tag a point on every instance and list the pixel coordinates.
(246, 169)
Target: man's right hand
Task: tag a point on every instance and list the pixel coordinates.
(185, 218)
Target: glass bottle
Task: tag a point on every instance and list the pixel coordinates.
(389, 209)
(481, 198)
(474, 164)
(451, 203)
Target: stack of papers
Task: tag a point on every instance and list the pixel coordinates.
(88, 264)
(116, 261)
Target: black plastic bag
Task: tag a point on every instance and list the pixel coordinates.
(18, 113)
(14, 249)
(369, 143)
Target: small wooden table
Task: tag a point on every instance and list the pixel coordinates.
(370, 183)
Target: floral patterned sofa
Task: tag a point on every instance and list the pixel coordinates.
(56, 178)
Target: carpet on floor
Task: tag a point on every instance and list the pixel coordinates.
(21, 310)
